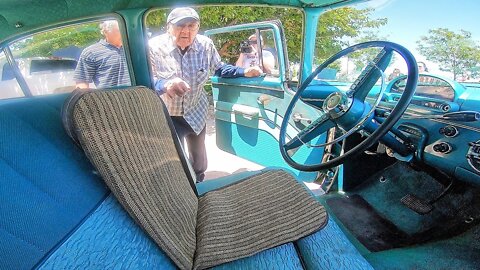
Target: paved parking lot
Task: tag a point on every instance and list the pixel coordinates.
(221, 163)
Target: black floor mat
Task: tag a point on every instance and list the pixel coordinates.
(372, 230)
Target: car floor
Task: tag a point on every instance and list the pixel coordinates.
(393, 235)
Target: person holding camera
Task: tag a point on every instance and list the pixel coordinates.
(182, 62)
(249, 55)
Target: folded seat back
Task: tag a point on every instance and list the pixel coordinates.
(126, 135)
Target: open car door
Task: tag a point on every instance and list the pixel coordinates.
(249, 111)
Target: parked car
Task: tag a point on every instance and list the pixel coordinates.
(388, 170)
(43, 76)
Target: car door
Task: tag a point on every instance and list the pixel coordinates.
(249, 111)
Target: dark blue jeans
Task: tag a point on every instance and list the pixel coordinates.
(197, 154)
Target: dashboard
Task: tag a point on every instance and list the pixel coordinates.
(450, 145)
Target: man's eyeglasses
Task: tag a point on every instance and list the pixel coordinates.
(189, 26)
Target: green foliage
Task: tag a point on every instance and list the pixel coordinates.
(334, 27)
(455, 52)
(222, 16)
(44, 44)
(364, 57)
(338, 26)
(156, 21)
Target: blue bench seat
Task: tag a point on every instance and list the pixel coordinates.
(58, 214)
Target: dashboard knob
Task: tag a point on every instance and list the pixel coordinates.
(444, 107)
(473, 155)
(449, 131)
(442, 147)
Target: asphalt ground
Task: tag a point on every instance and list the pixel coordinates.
(221, 163)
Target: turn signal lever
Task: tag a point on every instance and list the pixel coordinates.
(462, 116)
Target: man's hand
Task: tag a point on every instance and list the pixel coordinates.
(82, 85)
(176, 87)
(253, 71)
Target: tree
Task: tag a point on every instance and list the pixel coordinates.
(338, 26)
(45, 44)
(454, 52)
(363, 57)
(334, 27)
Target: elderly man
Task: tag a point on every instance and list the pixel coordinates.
(103, 63)
(181, 63)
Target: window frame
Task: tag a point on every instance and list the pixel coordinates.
(20, 78)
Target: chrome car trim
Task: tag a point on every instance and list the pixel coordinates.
(248, 86)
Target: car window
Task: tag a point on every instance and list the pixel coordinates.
(47, 61)
(7, 72)
(229, 46)
(9, 87)
(244, 50)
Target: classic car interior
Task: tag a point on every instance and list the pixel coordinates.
(362, 170)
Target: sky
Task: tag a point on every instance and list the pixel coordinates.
(410, 19)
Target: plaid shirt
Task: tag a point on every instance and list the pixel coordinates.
(194, 67)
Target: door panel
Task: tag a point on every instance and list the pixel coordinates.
(249, 111)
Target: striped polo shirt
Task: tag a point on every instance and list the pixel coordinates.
(104, 65)
(194, 67)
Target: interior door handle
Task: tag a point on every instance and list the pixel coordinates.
(297, 117)
(246, 111)
(264, 99)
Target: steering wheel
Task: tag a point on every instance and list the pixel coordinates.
(349, 111)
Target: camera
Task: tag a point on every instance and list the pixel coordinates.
(245, 47)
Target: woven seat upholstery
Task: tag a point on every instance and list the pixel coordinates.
(261, 212)
(128, 137)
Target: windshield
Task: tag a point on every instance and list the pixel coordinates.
(443, 36)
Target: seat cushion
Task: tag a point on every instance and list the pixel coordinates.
(108, 239)
(330, 249)
(126, 136)
(261, 212)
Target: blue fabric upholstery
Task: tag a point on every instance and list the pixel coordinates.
(109, 239)
(54, 214)
(281, 257)
(47, 186)
(329, 248)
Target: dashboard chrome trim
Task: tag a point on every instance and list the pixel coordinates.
(456, 124)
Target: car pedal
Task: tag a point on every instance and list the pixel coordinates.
(416, 204)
